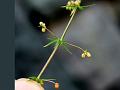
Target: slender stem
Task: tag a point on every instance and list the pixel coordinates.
(75, 46)
(52, 33)
(50, 81)
(66, 29)
(48, 61)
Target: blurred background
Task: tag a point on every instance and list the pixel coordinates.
(96, 28)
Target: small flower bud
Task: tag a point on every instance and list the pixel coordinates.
(88, 54)
(43, 30)
(83, 55)
(72, 3)
(69, 3)
(77, 2)
(42, 24)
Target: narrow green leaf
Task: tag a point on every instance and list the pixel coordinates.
(81, 8)
(88, 5)
(63, 6)
(33, 78)
(53, 41)
(66, 48)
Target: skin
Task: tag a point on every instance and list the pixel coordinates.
(26, 84)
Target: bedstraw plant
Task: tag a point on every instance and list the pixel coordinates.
(73, 6)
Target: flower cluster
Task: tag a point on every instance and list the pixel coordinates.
(43, 26)
(71, 5)
(86, 54)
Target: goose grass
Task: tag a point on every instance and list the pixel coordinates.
(73, 6)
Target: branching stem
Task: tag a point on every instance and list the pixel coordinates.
(57, 45)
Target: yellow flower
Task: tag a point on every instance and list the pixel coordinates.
(43, 26)
(77, 2)
(74, 3)
(69, 3)
(43, 30)
(86, 54)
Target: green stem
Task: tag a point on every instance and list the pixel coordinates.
(48, 61)
(57, 45)
(66, 29)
